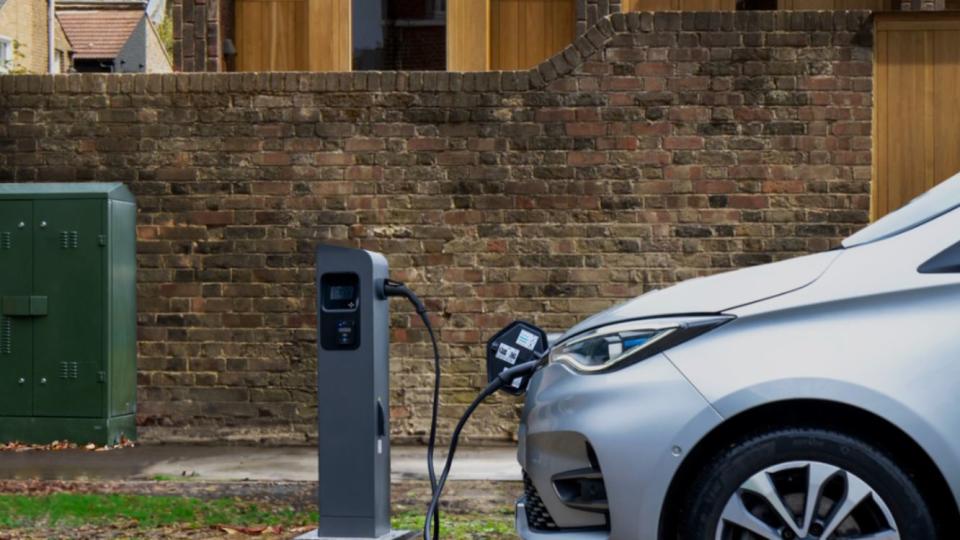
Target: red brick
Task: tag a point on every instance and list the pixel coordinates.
(683, 143)
(586, 129)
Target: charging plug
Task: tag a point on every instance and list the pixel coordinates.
(396, 288)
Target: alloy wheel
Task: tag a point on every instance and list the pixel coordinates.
(806, 500)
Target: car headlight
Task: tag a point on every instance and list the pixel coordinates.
(621, 344)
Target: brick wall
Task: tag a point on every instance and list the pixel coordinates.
(654, 149)
(197, 34)
(589, 12)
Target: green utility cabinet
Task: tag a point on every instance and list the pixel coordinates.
(68, 315)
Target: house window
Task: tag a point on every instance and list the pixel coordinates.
(58, 61)
(399, 35)
(6, 54)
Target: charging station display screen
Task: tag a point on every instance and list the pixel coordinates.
(340, 314)
(341, 292)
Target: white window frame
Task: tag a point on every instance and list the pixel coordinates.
(6, 54)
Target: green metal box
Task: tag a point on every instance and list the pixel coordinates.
(68, 313)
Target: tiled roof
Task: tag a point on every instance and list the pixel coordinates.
(99, 33)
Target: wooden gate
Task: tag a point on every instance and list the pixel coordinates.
(524, 33)
(916, 141)
(679, 5)
(507, 34)
(293, 35)
(837, 4)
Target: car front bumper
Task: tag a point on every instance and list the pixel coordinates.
(633, 426)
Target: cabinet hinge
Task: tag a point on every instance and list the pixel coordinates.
(102, 376)
(102, 239)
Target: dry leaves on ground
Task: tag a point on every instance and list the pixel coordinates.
(64, 445)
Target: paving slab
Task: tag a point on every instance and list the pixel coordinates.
(232, 463)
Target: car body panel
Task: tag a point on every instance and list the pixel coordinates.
(885, 340)
(717, 293)
(859, 326)
(942, 198)
(637, 416)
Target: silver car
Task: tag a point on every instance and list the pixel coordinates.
(817, 397)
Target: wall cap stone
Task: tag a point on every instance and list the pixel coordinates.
(562, 64)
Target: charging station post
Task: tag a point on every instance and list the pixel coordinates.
(353, 392)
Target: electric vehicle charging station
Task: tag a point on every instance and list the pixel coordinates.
(353, 393)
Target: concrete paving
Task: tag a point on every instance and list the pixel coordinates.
(228, 463)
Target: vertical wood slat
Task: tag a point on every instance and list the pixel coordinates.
(916, 135)
(878, 192)
(330, 35)
(293, 35)
(876, 5)
(468, 35)
(946, 104)
(679, 5)
(527, 32)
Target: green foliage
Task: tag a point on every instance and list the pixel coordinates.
(165, 29)
(15, 65)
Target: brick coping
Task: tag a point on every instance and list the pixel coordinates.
(559, 65)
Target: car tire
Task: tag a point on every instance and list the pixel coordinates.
(786, 462)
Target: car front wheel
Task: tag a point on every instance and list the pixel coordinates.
(805, 484)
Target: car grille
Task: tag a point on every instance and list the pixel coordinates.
(538, 517)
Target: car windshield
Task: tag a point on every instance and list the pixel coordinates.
(934, 203)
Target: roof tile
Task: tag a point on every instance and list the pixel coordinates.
(99, 33)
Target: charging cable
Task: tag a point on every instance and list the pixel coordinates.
(396, 288)
(505, 378)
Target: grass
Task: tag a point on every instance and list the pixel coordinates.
(72, 509)
(461, 525)
(163, 478)
(146, 512)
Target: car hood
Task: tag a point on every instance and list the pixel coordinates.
(717, 293)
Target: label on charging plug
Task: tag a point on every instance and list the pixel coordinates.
(527, 340)
(508, 354)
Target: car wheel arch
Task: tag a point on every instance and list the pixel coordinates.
(814, 413)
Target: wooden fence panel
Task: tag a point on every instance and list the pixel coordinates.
(877, 5)
(293, 35)
(468, 35)
(524, 33)
(679, 5)
(916, 106)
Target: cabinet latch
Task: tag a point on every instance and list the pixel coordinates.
(102, 239)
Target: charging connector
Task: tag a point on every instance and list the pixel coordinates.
(504, 379)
